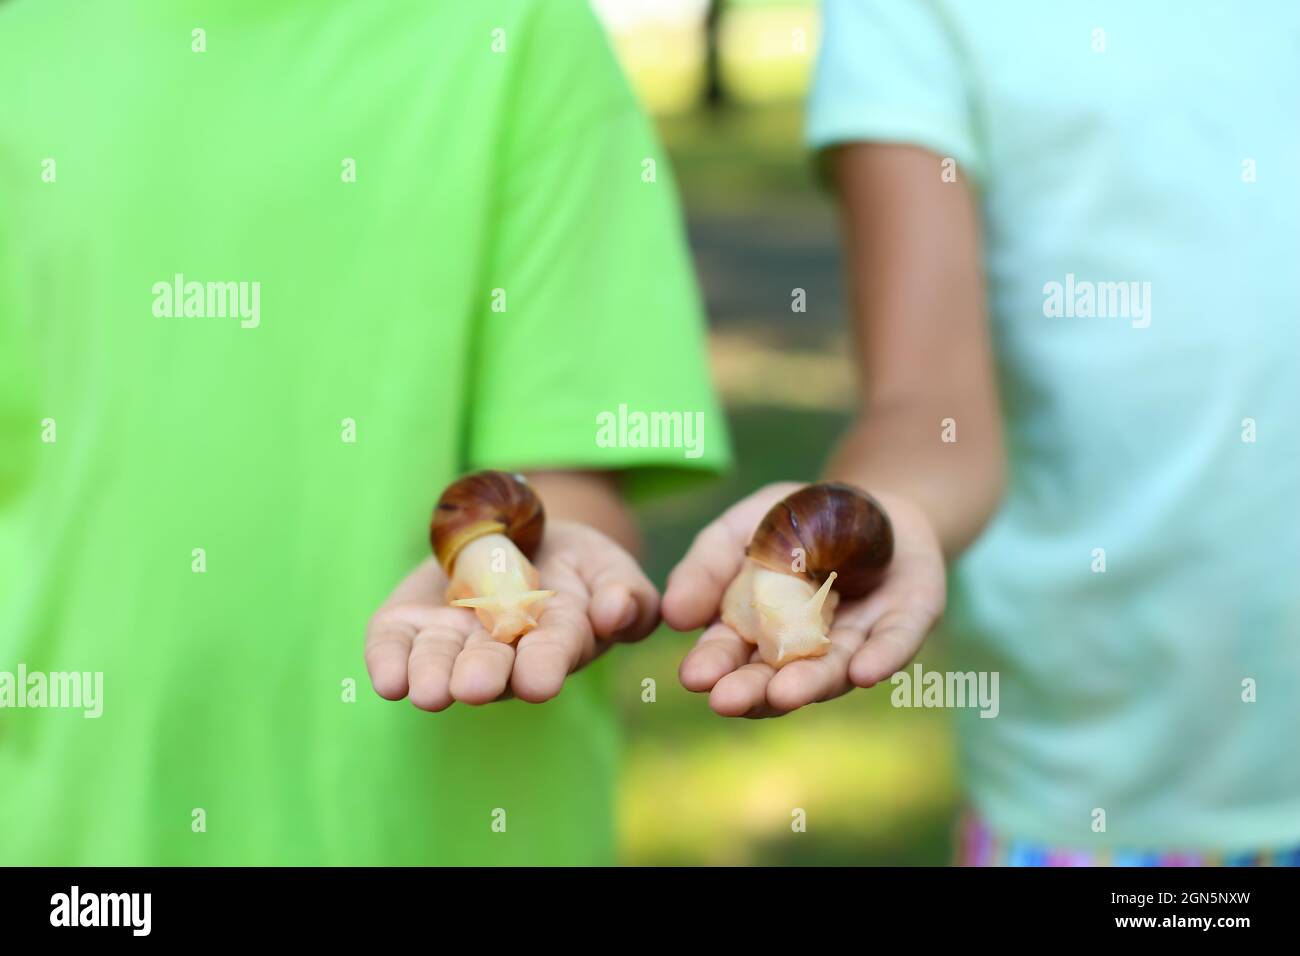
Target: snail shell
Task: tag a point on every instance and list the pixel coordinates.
(486, 502)
(834, 527)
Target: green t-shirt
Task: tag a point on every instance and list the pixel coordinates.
(452, 242)
(1137, 591)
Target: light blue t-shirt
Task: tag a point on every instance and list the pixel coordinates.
(1138, 168)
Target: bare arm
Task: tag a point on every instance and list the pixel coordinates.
(915, 277)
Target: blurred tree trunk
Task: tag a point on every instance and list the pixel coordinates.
(715, 96)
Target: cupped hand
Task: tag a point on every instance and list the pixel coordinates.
(871, 638)
(419, 647)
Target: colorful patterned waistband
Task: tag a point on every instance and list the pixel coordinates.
(978, 845)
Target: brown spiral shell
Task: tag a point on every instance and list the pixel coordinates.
(838, 527)
(486, 502)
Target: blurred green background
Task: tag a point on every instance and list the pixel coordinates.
(877, 783)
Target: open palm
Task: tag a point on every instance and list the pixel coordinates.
(871, 638)
(419, 647)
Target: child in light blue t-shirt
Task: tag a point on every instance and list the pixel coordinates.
(1134, 168)
(1072, 243)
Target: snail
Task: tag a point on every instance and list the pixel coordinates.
(820, 537)
(486, 528)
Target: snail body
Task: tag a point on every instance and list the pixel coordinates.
(485, 530)
(816, 546)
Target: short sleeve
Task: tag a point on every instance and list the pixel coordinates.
(590, 349)
(892, 71)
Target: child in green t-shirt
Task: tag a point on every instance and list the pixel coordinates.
(411, 240)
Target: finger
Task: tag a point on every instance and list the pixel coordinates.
(389, 636)
(433, 657)
(717, 653)
(696, 585)
(892, 643)
(547, 655)
(391, 632)
(815, 679)
(482, 669)
(624, 604)
(898, 617)
(743, 692)
(613, 609)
